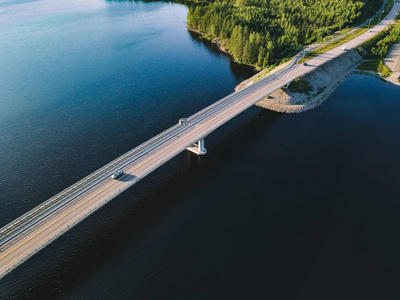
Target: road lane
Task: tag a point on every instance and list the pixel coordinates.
(149, 156)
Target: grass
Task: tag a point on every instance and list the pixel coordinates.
(333, 44)
(347, 36)
(265, 72)
(300, 85)
(375, 66)
(379, 45)
(369, 65)
(384, 70)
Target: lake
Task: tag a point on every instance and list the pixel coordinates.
(283, 206)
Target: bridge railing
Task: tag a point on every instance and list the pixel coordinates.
(95, 177)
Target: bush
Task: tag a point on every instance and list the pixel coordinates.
(378, 47)
(300, 85)
(385, 71)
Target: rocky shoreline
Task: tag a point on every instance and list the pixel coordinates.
(323, 80)
(221, 45)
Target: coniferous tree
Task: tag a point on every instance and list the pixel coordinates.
(262, 32)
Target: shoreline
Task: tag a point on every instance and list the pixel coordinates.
(286, 101)
(323, 81)
(318, 99)
(332, 74)
(221, 46)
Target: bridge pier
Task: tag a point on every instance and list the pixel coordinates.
(198, 148)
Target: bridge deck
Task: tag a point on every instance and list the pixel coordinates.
(34, 230)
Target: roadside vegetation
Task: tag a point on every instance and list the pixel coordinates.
(345, 36)
(300, 85)
(264, 32)
(375, 66)
(379, 46)
(333, 44)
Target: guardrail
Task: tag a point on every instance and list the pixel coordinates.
(20, 224)
(37, 214)
(32, 217)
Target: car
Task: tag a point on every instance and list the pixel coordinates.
(117, 174)
(344, 48)
(305, 63)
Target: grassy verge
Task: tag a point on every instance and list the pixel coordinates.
(375, 66)
(379, 46)
(335, 42)
(369, 65)
(300, 85)
(264, 73)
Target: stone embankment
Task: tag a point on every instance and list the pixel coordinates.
(323, 80)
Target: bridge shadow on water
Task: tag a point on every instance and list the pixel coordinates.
(86, 249)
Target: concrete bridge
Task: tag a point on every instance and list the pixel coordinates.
(29, 233)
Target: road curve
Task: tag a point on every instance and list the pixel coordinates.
(29, 233)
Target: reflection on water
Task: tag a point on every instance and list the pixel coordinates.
(307, 201)
(240, 71)
(90, 87)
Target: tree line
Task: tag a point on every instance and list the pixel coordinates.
(263, 32)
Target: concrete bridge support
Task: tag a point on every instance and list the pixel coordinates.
(198, 148)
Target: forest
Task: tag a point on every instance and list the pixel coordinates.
(379, 46)
(263, 32)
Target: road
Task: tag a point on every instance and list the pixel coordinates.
(29, 233)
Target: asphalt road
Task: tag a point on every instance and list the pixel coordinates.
(25, 236)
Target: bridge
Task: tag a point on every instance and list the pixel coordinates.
(31, 232)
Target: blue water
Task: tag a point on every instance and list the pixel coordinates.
(81, 87)
(302, 206)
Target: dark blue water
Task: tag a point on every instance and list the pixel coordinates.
(302, 206)
(81, 87)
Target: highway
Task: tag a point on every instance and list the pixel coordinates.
(29, 233)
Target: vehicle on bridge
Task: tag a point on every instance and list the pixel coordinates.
(117, 174)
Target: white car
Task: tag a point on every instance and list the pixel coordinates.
(117, 174)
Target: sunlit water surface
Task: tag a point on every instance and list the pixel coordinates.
(302, 206)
